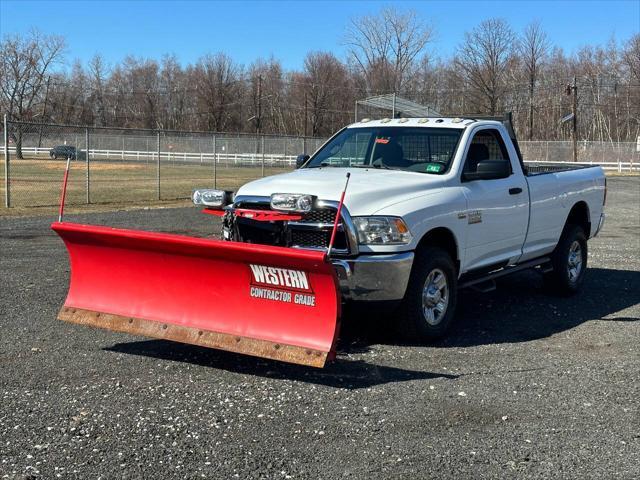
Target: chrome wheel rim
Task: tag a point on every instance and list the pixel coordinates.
(435, 297)
(574, 262)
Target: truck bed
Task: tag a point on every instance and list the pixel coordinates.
(540, 168)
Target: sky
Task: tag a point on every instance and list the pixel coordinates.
(288, 30)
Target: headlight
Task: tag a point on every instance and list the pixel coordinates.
(292, 202)
(211, 198)
(382, 230)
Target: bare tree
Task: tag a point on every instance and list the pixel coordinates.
(266, 96)
(631, 56)
(631, 62)
(24, 64)
(484, 59)
(219, 90)
(386, 47)
(98, 75)
(325, 77)
(533, 49)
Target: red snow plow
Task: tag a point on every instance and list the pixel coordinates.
(273, 302)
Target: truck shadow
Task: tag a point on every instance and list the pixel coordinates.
(341, 373)
(521, 309)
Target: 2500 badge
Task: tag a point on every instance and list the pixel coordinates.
(281, 285)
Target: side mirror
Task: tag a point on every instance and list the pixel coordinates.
(489, 170)
(301, 160)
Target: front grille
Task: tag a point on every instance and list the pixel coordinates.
(317, 239)
(312, 231)
(263, 233)
(321, 215)
(310, 238)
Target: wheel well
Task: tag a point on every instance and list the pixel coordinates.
(443, 238)
(579, 215)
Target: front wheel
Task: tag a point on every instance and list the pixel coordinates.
(429, 305)
(569, 261)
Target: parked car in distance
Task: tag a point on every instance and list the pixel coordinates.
(66, 151)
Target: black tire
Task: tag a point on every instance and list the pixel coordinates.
(569, 261)
(414, 325)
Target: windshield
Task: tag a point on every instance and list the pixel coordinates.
(415, 149)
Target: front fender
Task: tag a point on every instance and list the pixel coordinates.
(423, 214)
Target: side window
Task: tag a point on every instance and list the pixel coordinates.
(486, 145)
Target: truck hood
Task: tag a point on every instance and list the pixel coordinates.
(370, 189)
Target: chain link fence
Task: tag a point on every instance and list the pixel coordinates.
(130, 166)
(126, 166)
(612, 156)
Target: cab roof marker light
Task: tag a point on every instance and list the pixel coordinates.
(423, 120)
(365, 120)
(385, 120)
(403, 120)
(456, 120)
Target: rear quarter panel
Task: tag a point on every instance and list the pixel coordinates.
(553, 195)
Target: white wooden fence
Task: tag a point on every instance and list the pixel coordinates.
(227, 159)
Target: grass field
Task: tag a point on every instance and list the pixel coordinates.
(36, 182)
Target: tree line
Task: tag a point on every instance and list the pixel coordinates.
(494, 69)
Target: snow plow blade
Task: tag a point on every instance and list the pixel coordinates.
(272, 302)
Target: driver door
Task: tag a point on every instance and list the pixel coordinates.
(497, 210)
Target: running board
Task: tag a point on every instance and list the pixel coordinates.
(490, 277)
(485, 286)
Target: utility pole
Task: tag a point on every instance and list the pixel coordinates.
(531, 91)
(305, 113)
(572, 89)
(88, 177)
(7, 197)
(158, 166)
(44, 110)
(259, 112)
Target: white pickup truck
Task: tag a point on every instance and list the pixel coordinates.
(433, 205)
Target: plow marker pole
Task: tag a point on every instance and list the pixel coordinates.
(338, 213)
(63, 193)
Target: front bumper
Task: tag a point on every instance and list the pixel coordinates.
(374, 277)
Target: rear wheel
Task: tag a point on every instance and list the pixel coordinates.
(429, 305)
(569, 261)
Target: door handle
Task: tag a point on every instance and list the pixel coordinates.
(515, 191)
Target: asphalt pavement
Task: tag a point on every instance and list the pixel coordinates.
(528, 385)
